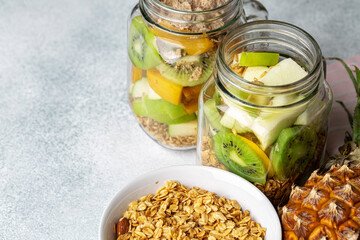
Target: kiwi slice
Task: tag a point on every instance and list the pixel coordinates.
(293, 150)
(239, 157)
(189, 70)
(141, 48)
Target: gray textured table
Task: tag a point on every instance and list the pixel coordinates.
(68, 141)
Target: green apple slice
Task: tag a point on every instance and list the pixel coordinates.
(139, 108)
(212, 114)
(255, 59)
(183, 129)
(152, 94)
(161, 111)
(283, 100)
(243, 117)
(227, 121)
(255, 73)
(312, 114)
(285, 72)
(230, 122)
(140, 88)
(268, 126)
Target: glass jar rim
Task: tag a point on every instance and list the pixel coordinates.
(144, 4)
(174, 10)
(220, 55)
(309, 84)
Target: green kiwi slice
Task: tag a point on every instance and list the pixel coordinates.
(293, 150)
(239, 158)
(141, 48)
(189, 70)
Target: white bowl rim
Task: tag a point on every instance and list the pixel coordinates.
(214, 170)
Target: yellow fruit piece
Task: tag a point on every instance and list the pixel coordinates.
(261, 154)
(191, 107)
(136, 74)
(166, 89)
(192, 46)
(189, 99)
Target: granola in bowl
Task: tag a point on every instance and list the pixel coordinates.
(189, 202)
(179, 212)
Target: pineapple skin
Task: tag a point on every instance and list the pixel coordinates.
(326, 207)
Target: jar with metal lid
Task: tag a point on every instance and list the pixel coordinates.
(171, 49)
(264, 113)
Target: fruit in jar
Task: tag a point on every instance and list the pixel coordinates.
(161, 111)
(189, 70)
(285, 72)
(268, 125)
(193, 45)
(141, 48)
(255, 73)
(265, 159)
(239, 157)
(255, 59)
(191, 107)
(283, 100)
(139, 108)
(212, 114)
(293, 150)
(230, 122)
(328, 205)
(190, 98)
(310, 115)
(141, 88)
(244, 115)
(136, 74)
(183, 129)
(166, 89)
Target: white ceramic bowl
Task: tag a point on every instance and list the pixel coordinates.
(221, 182)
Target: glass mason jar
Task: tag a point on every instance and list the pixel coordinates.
(271, 135)
(171, 55)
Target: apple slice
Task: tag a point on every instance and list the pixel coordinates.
(255, 73)
(230, 122)
(183, 129)
(142, 88)
(268, 125)
(255, 59)
(311, 115)
(285, 72)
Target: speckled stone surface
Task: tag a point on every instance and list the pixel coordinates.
(68, 141)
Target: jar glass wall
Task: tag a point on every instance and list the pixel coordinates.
(269, 130)
(171, 55)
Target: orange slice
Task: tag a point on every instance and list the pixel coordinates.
(166, 89)
(261, 154)
(136, 74)
(193, 45)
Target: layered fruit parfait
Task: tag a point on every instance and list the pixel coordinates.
(267, 139)
(168, 68)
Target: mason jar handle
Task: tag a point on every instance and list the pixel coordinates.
(254, 10)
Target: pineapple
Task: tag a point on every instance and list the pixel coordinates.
(328, 205)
